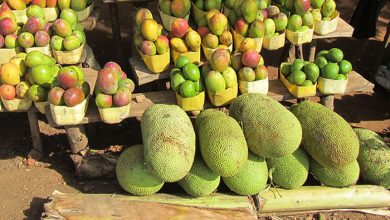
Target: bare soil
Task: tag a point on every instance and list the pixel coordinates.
(27, 184)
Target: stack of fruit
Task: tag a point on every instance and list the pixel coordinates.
(325, 16)
(275, 26)
(300, 77)
(202, 7)
(220, 78)
(171, 9)
(334, 71)
(48, 6)
(68, 42)
(152, 45)
(188, 85)
(184, 41)
(113, 93)
(216, 34)
(69, 96)
(8, 38)
(13, 90)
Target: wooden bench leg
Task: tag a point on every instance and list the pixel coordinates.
(37, 152)
(328, 101)
(291, 54)
(77, 137)
(313, 48)
(300, 51)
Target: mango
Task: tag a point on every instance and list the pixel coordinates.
(107, 81)
(289, 4)
(56, 96)
(7, 92)
(308, 19)
(248, 44)
(215, 82)
(43, 75)
(68, 77)
(328, 8)
(122, 97)
(128, 83)
(19, 62)
(210, 14)
(317, 16)
(226, 38)
(63, 4)
(230, 77)
(40, 3)
(103, 101)
(241, 27)
(141, 16)
(6, 12)
(180, 8)
(202, 31)
(22, 89)
(210, 41)
(80, 35)
(269, 27)
(78, 5)
(179, 27)
(73, 96)
(71, 43)
(56, 43)
(249, 10)
(7, 26)
(37, 93)
(250, 59)
(62, 28)
(193, 40)
(212, 4)
(149, 30)
(162, 44)
(246, 74)
(235, 61)
(148, 48)
(301, 6)
(51, 3)
(281, 21)
(317, 3)
(42, 39)
(9, 74)
(257, 29)
(34, 24)
(26, 40)
(11, 41)
(1, 41)
(294, 22)
(165, 7)
(35, 10)
(218, 23)
(272, 10)
(17, 4)
(138, 39)
(70, 16)
(220, 60)
(179, 45)
(262, 15)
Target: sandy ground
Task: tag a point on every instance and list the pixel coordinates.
(27, 185)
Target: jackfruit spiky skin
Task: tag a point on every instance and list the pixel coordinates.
(251, 179)
(336, 177)
(374, 157)
(222, 143)
(200, 181)
(327, 137)
(270, 129)
(290, 171)
(169, 142)
(132, 174)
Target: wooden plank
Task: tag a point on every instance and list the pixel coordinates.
(90, 23)
(142, 74)
(158, 206)
(343, 30)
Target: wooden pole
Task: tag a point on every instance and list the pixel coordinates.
(37, 151)
(328, 101)
(77, 137)
(313, 48)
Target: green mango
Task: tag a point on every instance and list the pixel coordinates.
(36, 58)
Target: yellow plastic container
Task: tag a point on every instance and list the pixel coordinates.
(330, 86)
(84, 14)
(199, 15)
(274, 43)
(45, 50)
(224, 97)
(114, 115)
(194, 57)
(51, 14)
(156, 63)
(69, 57)
(17, 105)
(259, 86)
(208, 51)
(167, 19)
(195, 103)
(20, 15)
(238, 39)
(297, 91)
(64, 115)
(7, 54)
(298, 38)
(327, 27)
(41, 106)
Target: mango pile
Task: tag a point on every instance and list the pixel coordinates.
(323, 10)
(332, 64)
(76, 5)
(184, 39)
(208, 5)
(175, 8)
(8, 26)
(186, 79)
(216, 34)
(301, 73)
(113, 88)
(68, 33)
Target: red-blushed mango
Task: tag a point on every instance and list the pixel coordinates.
(218, 23)
(7, 92)
(40, 3)
(235, 61)
(226, 38)
(26, 40)
(179, 27)
(220, 60)
(250, 59)
(103, 100)
(42, 39)
(6, 12)
(73, 96)
(180, 8)
(114, 66)
(261, 72)
(62, 27)
(107, 81)
(56, 96)
(68, 77)
(162, 44)
(34, 24)
(203, 31)
(70, 16)
(51, 3)
(301, 6)
(123, 75)
(241, 27)
(148, 48)
(7, 26)
(142, 15)
(122, 97)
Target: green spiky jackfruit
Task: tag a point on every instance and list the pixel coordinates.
(132, 174)
(270, 129)
(200, 181)
(251, 179)
(374, 157)
(169, 142)
(290, 171)
(336, 177)
(327, 137)
(222, 143)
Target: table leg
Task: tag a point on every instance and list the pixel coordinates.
(300, 51)
(77, 137)
(328, 101)
(37, 152)
(115, 25)
(291, 54)
(313, 47)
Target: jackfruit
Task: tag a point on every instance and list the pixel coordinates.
(222, 143)
(169, 142)
(327, 137)
(200, 181)
(252, 179)
(290, 171)
(374, 157)
(270, 129)
(336, 177)
(132, 174)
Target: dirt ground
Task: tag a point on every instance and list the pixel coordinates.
(27, 185)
